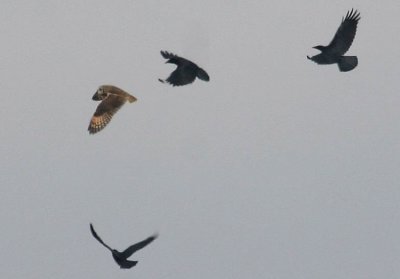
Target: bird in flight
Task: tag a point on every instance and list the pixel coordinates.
(121, 258)
(112, 98)
(186, 71)
(340, 44)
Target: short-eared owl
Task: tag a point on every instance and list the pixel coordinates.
(121, 258)
(112, 98)
(185, 73)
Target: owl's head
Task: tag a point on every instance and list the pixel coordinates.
(100, 94)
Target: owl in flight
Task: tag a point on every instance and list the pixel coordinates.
(340, 44)
(112, 98)
(121, 258)
(185, 73)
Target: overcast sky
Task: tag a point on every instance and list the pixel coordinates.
(276, 168)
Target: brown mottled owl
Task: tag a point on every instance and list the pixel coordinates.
(112, 98)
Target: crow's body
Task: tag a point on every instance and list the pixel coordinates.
(186, 71)
(121, 258)
(340, 44)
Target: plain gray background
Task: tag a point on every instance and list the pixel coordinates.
(276, 168)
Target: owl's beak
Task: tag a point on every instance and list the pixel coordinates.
(95, 97)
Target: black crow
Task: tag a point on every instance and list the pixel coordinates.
(121, 258)
(333, 53)
(185, 73)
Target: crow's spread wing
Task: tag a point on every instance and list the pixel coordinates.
(345, 34)
(98, 238)
(132, 249)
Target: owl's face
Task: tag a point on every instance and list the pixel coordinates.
(100, 94)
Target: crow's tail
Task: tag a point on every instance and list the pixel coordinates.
(347, 63)
(201, 74)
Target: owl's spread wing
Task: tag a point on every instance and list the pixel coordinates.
(104, 112)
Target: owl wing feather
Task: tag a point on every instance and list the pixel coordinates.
(105, 111)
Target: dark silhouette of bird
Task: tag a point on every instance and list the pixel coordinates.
(112, 99)
(340, 44)
(121, 258)
(186, 71)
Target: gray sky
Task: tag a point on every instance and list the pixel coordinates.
(276, 168)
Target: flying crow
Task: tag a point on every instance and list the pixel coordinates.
(121, 258)
(334, 52)
(185, 73)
